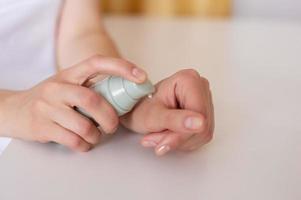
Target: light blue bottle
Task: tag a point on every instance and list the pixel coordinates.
(122, 94)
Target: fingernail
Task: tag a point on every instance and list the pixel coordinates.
(139, 74)
(148, 143)
(193, 123)
(162, 150)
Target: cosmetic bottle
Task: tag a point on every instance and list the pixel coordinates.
(122, 94)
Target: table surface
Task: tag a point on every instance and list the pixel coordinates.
(254, 69)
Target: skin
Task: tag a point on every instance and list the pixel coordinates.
(180, 112)
(179, 115)
(45, 112)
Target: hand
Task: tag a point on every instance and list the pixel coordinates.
(46, 112)
(178, 116)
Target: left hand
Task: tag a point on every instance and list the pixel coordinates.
(179, 116)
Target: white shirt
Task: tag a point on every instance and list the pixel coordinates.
(27, 43)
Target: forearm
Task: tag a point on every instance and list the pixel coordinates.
(4, 94)
(82, 33)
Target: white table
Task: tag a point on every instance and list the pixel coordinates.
(254, 68)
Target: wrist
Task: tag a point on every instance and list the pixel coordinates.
(6, 108)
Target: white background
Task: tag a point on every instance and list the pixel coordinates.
(271, 9)
(254, 70)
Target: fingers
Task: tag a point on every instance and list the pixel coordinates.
(184, 130)
(67, 138)
(192, 91)
(162, 142)
(199, 140)
(95, 65)
(153, 139)
(167, 141)
(97, 107)
(76, 123)
(177, 126)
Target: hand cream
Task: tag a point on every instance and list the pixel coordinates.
(122, 94)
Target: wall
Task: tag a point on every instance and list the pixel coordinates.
(207, 8)
(276, 9)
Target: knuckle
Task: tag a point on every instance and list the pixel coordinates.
(85, 128)
(74, 142)
(94, 60)
(89, 99)
(189, 73)
(192, 75)
(126, 63)
(112, 125)
(205, 81)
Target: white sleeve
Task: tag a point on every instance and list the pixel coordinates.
(3, 143)
(27, 38)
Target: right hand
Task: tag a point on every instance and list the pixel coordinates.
(45, 113)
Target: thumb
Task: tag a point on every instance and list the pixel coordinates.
(176, 120)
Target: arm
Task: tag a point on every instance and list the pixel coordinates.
(4, 93)
(36, 114)
(177, 117)
(82, 33)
